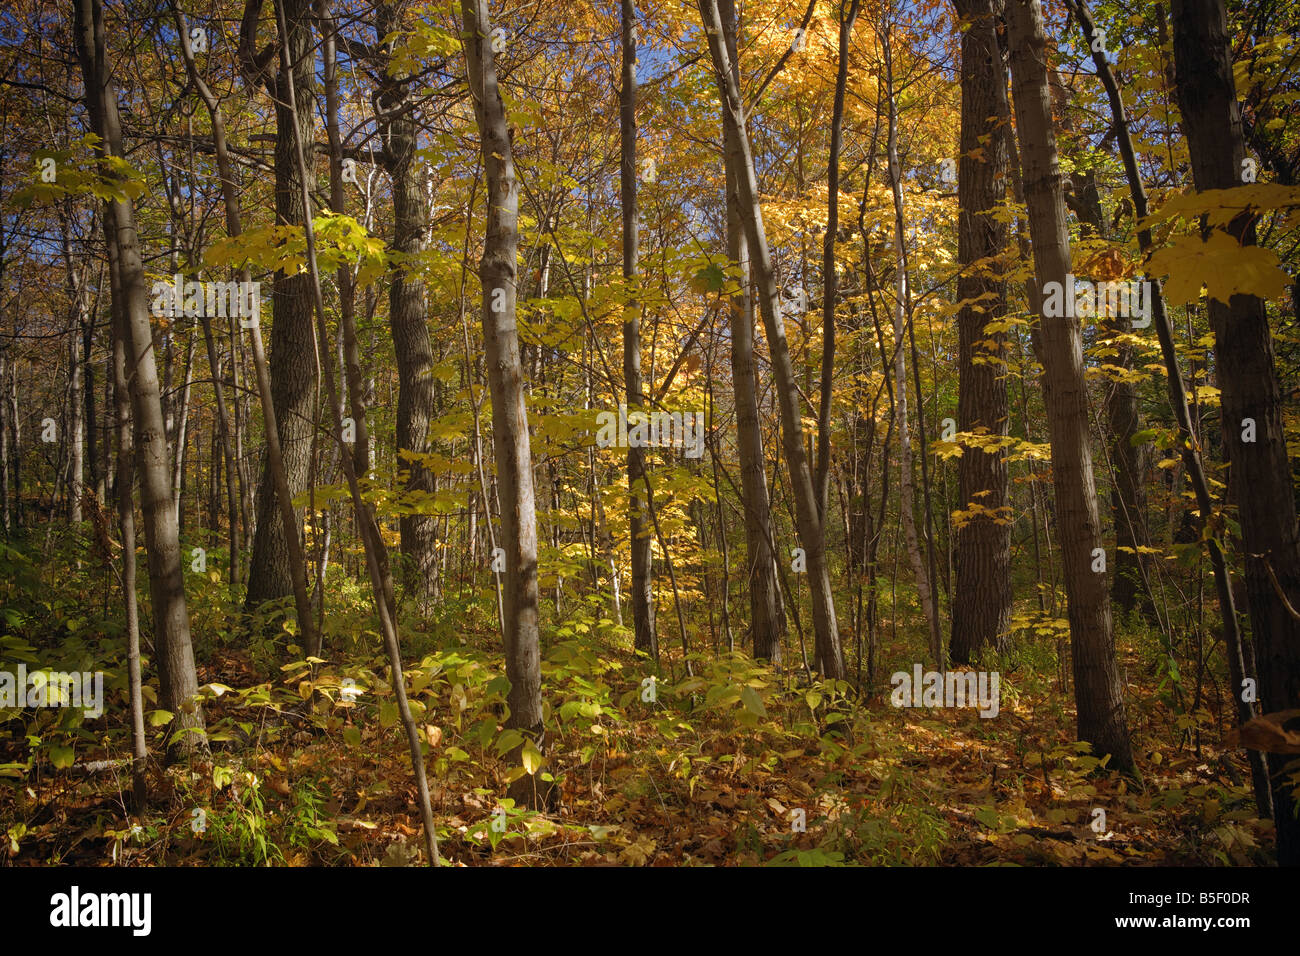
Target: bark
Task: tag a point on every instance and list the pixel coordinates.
(408, 317)
(293, 365)
(88, 393)
(830, 278)
(641, 596)
(1247, 378)
(1098, 689)
(981, 604)
(181, 437)
(125, 488)
(766, 622)
(828, 657)
(349, 346)
(174, 651)
(498, 274)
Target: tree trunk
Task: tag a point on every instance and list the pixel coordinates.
(125, 489)
(292, 361)
(829, 659)
(981, 604)
(1247, 378)
(766, 622)
(510, 440)
(1099, 695)
(175, 654)
(408, 316)
(639, 532)
(907, 482)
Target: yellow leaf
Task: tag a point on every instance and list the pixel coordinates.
(1220, 263)
(532, 757)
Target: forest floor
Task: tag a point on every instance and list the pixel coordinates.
(738, 764)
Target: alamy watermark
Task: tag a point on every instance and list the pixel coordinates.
(44, 688)
(75, 909)
(242, 300)
(980, 689)
(656, 429)
(1108, 300)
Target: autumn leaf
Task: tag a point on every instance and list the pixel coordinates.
(1219, 263)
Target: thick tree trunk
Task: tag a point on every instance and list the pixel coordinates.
(1099, 693)
(829, 659)
(292, 362)
(766, 622)
(498, 271)
(408, 316)
(1247, 378)
(174, 652)
(639, 531)
(981, 603)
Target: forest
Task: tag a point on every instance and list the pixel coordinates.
(649, 433)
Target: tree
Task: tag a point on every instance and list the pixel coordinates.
(639, 531)
(408, 312)
(498, 272)
(981, 603)
(293, 366)
(1243, 350)
(812, 536)
(174, 650)
(766, 621)
(1099, 697)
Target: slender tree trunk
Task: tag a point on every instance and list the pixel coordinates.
(498, 273)
(88, 394)
(125, 489)
(981, 604)
(766, 622)
(175, 654)
(829, 659)
(182, 433)
(639, 532)
(907, 481)
(1247, 378)
(1099, 693)
(830, 278)
(227, 452)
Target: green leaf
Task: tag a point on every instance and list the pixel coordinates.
(532, 757)
(159, 717)
(753, 703)
(352, 736)
(61, 757)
